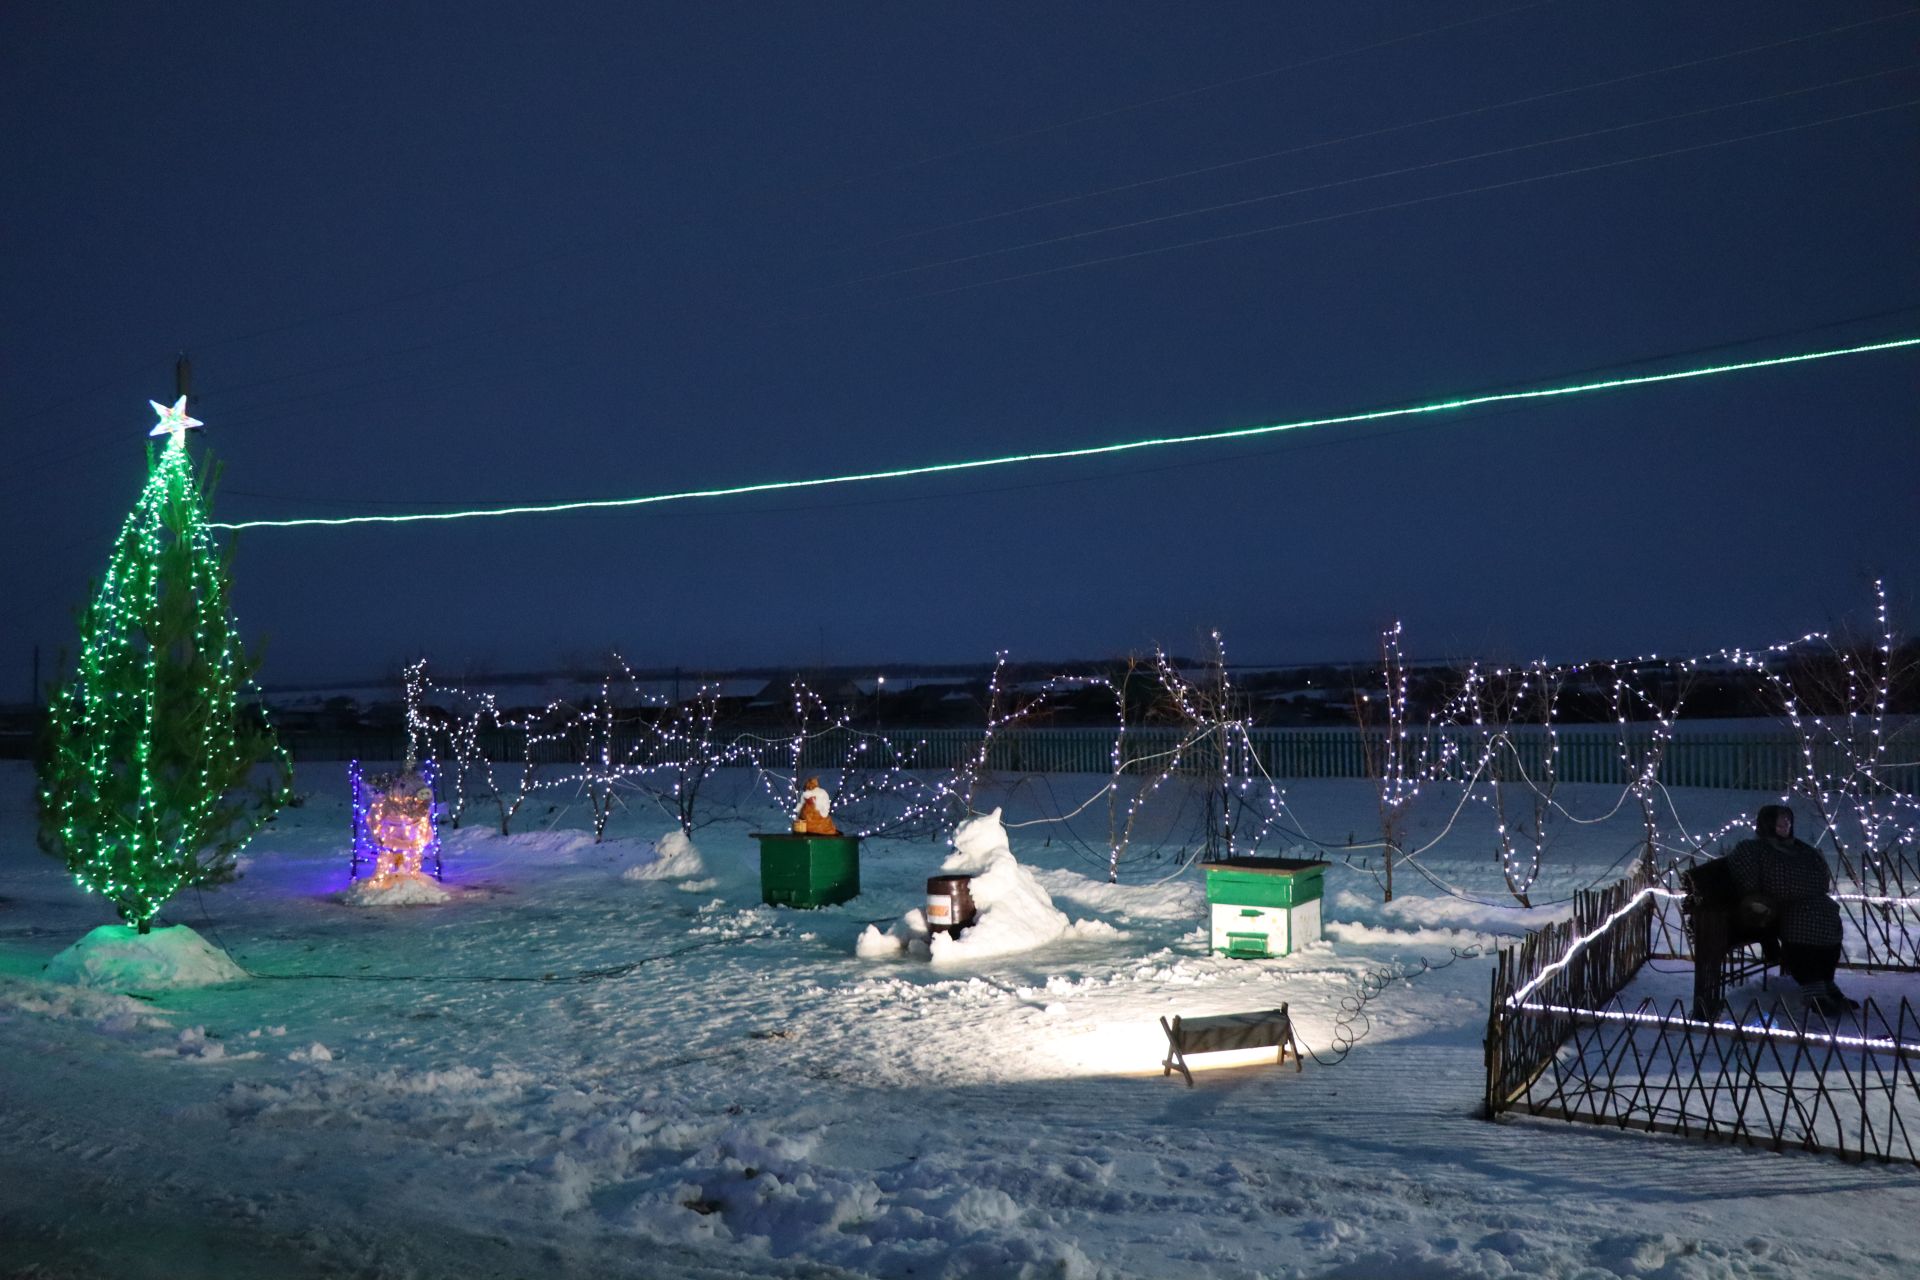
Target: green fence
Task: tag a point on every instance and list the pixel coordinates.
(1753, 761)
(1761, 761)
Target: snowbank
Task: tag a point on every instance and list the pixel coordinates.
(1163, 899)
(1484, 916)
(117, 957)
(671, 857)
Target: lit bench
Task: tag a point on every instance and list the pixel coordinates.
(1224, 1031)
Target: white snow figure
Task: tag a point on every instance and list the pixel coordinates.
(1016, 914)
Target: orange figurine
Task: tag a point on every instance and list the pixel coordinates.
(811, 818)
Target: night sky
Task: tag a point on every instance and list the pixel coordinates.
(431, 256)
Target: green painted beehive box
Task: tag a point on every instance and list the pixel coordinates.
(808, 871)
(1262, 907)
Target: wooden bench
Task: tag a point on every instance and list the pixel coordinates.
(1222, 1031)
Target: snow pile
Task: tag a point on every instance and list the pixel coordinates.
(909, 933)
(197, 1044)
(117, 957)
(395, 891)
(1357, 933)
(1015, 913)
(1483, 916)
(672, 857)
(1165, 899)
(110, 1014)
(771, 1196)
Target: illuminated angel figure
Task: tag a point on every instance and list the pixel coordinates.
(402, 826)
(811, 818)
(394, 829)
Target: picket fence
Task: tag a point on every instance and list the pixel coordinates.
(1752, 761)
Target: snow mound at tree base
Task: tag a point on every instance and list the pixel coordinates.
(117, 957)
(672, 857)
(395, 891)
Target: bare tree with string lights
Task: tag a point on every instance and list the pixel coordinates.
(1837, 693)
(1195, 750)
(688, 745)
(1525, 758)
(1398, 762)
(455, 726)
(605, 737)
(1645, 700)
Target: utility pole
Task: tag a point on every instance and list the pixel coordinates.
(183, 378)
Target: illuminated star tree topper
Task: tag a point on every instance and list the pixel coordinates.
(151, 779)
(174, 422)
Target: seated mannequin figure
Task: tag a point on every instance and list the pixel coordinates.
(1794, 879)
(811, 818)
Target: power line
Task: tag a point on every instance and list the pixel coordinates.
(1402, 171)
(1324, 143)
(1239, 433)
(841, 503)
(1163, 99)
(1224, 237)
(72, 449)
(593, 246)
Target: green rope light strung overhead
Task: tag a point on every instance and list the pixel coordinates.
(1091, 451)
(143, 785)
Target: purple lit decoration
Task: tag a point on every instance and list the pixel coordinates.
(366, 790)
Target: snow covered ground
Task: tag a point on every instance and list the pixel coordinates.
(594, 1060)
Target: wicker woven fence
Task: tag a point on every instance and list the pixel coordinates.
(1564, 1042)
(1570, 965)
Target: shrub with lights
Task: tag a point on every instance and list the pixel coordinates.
(151, 781)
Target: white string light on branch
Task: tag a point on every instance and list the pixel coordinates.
(1495, 734)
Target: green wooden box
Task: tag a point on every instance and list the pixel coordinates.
(1263, 907)
(808, 871)
(1265, 882)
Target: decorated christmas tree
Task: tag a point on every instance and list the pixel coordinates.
(158, 769)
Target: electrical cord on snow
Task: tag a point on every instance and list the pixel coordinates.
(1353, 1007)
(575, 976)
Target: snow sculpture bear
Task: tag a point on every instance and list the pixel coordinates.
(1015, 913)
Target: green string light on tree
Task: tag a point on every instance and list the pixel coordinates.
(148, 782)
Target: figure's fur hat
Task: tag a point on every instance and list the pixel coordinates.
(1763, 821)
